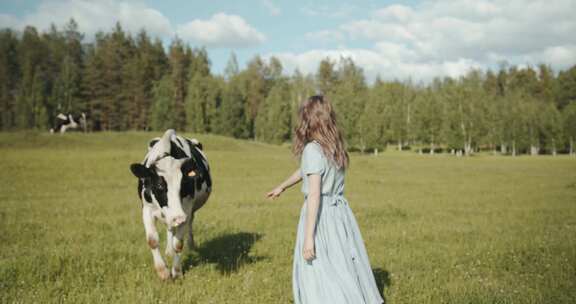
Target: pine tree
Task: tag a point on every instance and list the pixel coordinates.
(566, 87)
(31, 102)
(569, 126)
(9, 77)
(231, 69)
(227, 112)
(546, 87)
(349, 97)
(116, 49)
(550, 127)
(199, 96)
(494, 113)
(254, 88)
(402, 112)
(139, 75)
(163, 107)
(234, 121)
(180, 57)
(301, 87)
(372, 124)
(214, 110)
(94, 86)
(428, 117)
(273, 123)
(71, 71)
(326, 77)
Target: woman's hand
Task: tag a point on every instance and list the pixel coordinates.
(275, 192)
(308, 251)
(289, 182)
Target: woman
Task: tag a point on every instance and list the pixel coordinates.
(330, 260)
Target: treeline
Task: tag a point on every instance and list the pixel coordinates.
(132, 82)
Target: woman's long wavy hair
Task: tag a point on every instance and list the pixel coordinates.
(317, 121)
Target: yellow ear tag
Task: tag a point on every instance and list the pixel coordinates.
(191, 173)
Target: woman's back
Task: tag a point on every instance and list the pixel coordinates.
(315, 162)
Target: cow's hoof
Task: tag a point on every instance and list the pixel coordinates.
(152, 243)
(179, 246)
(176, 273)
(163, 273)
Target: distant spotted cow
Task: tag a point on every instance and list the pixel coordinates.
(173, 182)
(66, 122)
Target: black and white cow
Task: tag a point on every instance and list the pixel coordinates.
(173, 182)
(67, 122)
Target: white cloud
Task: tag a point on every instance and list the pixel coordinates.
(325, 36)
(222, 30)
(328, 11)
(377, 63)
(93, 16)
(559, 55)
(395, 12)
(8, 21)
(272, 8)
(376, 31)
(449, 37)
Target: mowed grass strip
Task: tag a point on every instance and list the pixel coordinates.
(438, 229)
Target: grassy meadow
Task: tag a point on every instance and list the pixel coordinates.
(438, 229)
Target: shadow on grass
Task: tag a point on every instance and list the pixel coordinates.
(383, 280)
(228, 251)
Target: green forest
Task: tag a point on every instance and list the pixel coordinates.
(127, 81)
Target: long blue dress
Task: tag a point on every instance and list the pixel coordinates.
(341, 271)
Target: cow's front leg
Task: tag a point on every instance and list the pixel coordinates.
(169, 243)
(153, 242)
(178, 245)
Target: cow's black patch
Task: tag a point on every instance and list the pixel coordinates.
(159, 188)
(191, 144)
(141, 171)
(187, 186)
(61, 122)
(140, 186)
(152, 143)
(146, 195)
(201, 169)
(179, 142)
(152, 184)
(176, 151)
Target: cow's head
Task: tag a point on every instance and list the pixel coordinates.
(162, 180)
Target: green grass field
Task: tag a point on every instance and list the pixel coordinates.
(438, 229)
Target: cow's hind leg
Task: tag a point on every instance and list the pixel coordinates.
(178, 245)
(191, 243)
(153, 243)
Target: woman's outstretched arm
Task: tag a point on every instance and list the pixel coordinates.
(289, 182)
(313, 202)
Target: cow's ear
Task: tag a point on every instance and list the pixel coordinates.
(195, 143)
(188, 168)
(140, 171)
(152, 143)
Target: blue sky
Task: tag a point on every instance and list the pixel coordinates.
(394, 39)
